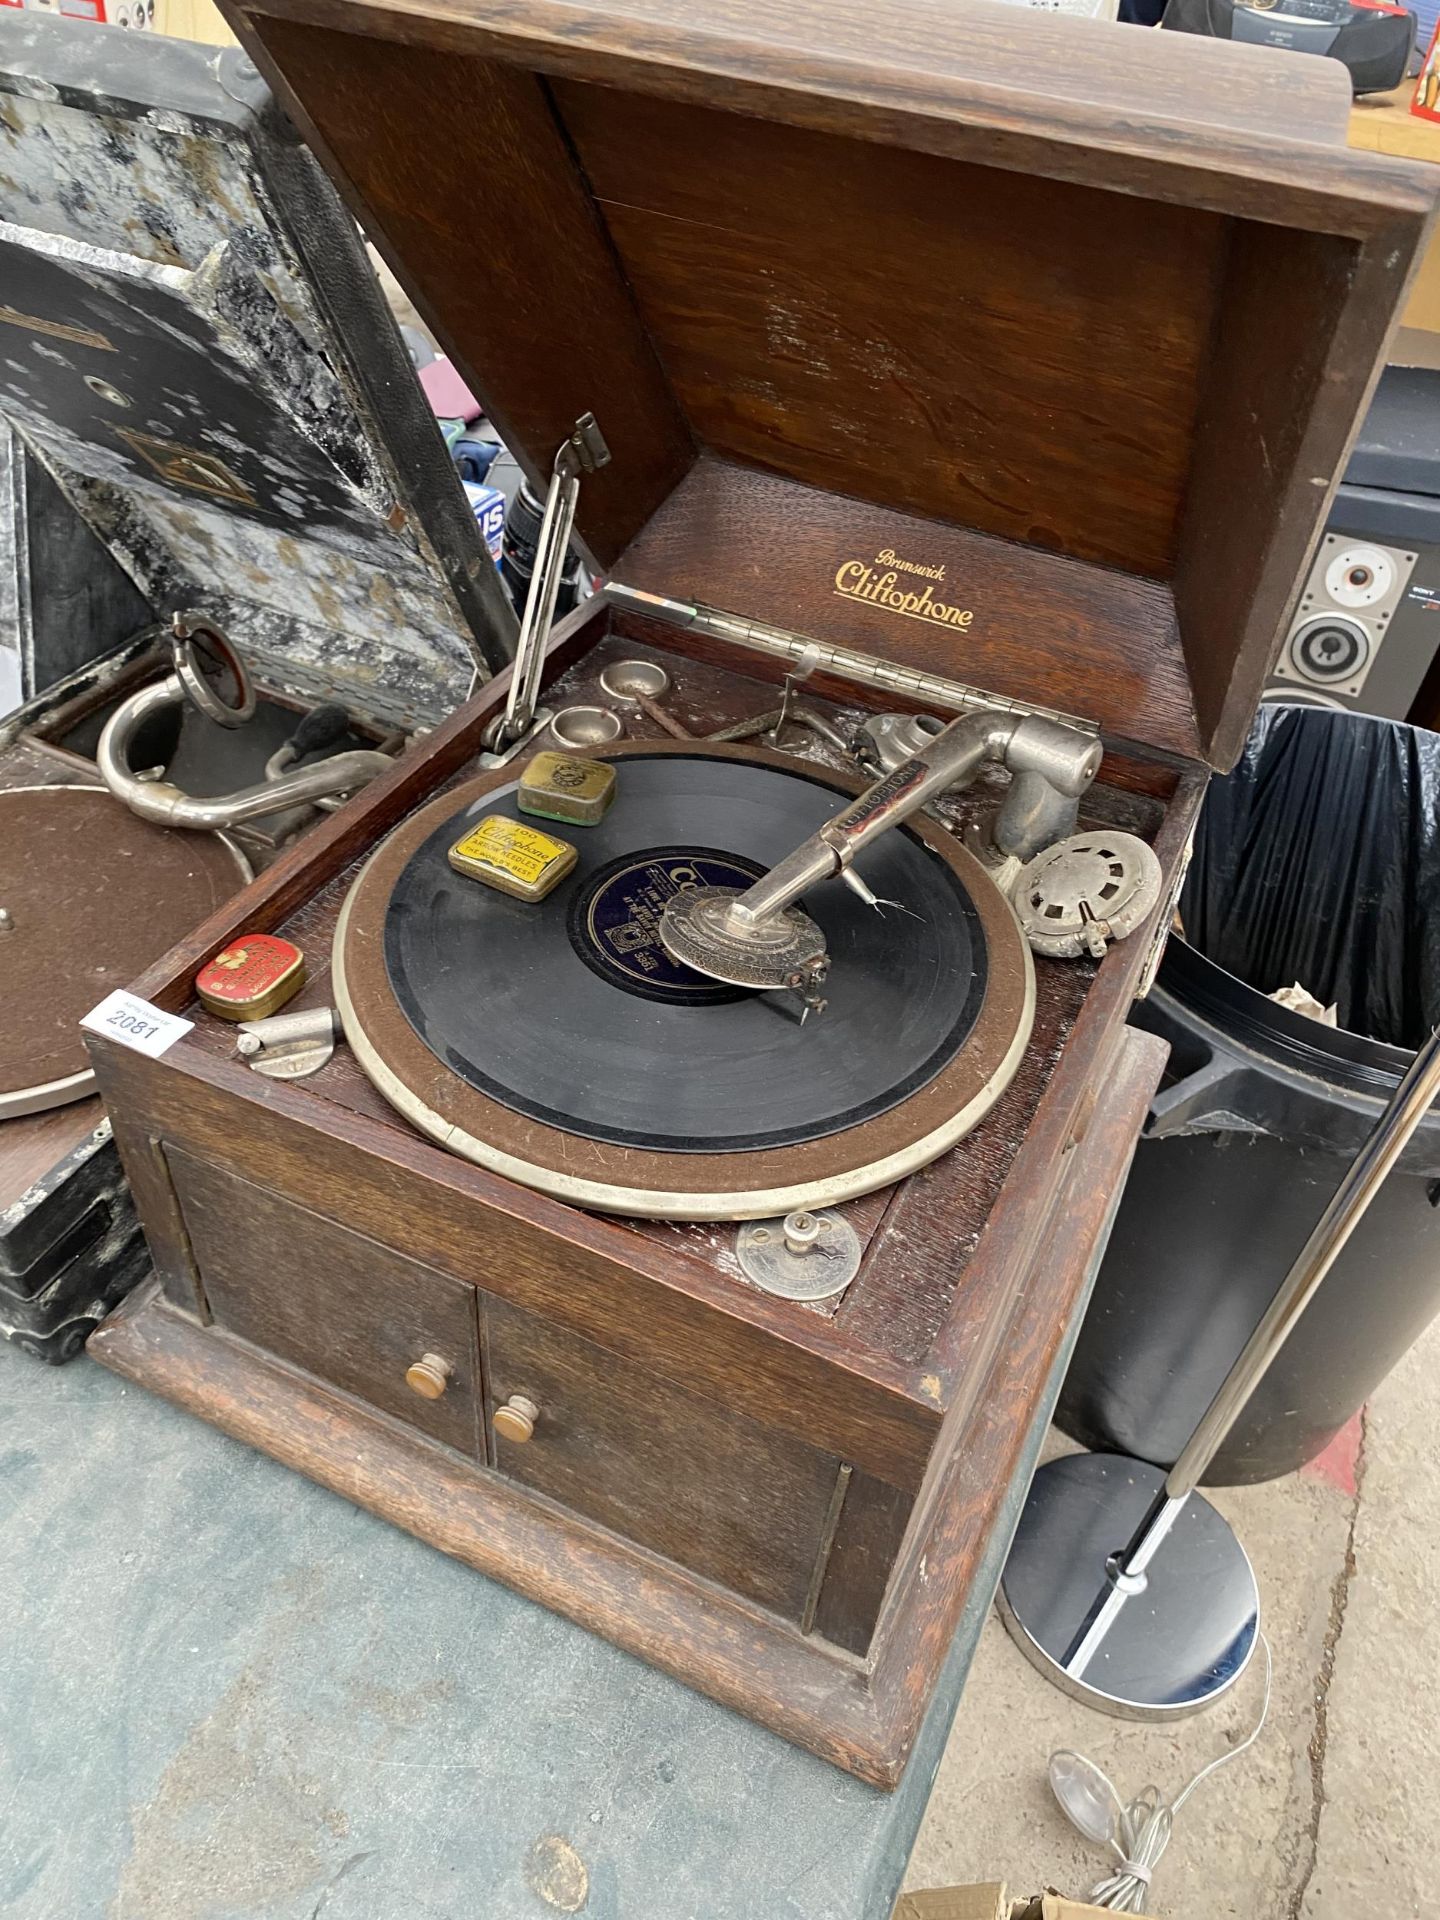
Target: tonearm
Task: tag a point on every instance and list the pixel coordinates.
(759, 938)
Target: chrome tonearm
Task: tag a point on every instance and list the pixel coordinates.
(759, 938)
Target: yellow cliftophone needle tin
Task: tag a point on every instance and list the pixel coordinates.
(557, 786)
(513, 858)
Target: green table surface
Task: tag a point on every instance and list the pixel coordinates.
(226, 1694)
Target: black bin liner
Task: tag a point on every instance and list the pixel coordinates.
(1317, 859)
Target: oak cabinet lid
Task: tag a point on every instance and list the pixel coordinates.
(1074, 320)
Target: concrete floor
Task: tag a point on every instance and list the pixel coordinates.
(1335, 1813)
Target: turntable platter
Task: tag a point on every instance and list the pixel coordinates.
(91, 895)
(558, 1042)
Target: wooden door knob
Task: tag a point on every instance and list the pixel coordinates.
(429, 1376)
(515, 1421)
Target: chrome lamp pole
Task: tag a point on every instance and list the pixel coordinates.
(1124, 1586)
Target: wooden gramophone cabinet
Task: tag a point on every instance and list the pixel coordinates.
(1080, 316)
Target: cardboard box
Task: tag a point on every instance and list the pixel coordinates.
(991, 1901)
(955, 1903)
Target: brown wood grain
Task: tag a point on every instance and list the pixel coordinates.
(1128, 317)
(898, 1304)
(657, 1306)
(1013, 1226)
(741, 1654)
(952, 341)
(862, 1556)
(745, 191)
(1210, 123)
(740, 1503)
(863, 1718)
(142, 1156)
(953, 1529)
(341, 1305)
(1084, 639)
(502, 252)
(910, 1269)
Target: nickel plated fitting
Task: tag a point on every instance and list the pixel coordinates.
(209, 674)
(759, 938)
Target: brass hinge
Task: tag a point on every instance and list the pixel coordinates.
(926, 689)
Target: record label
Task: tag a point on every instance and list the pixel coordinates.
(615, 921)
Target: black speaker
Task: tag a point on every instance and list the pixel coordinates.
(1365, 634)
(1374, 42)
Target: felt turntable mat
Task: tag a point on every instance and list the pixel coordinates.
(569, 1011)
(94, 894)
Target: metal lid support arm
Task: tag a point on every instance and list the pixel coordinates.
(584, 452)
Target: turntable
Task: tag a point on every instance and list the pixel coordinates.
(54, 841)
(734, 1085)
(587, 1061)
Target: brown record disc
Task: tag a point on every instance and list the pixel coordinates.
(91, 894)
(469, 1010)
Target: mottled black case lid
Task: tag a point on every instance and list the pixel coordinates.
(195, 351)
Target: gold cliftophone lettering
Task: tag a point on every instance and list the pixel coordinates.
(882, 586)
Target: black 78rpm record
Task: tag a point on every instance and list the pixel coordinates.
(557, 1042)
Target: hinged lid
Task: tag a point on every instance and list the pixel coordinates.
(1023, 350)
(194, 347)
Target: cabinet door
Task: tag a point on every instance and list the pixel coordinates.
(742, 1504)
(334, 1302)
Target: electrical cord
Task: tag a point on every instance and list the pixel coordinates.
(1137, 1832)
